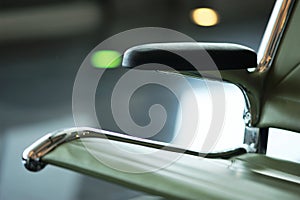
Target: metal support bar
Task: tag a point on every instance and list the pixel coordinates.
(32, 156)
(263, 140)
(273, 33)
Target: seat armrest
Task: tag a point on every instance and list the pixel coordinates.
(225, 56)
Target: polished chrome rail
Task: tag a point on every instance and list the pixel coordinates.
(32, 156)
(273, 33)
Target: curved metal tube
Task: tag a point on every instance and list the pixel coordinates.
(273, 33)
(32, 156)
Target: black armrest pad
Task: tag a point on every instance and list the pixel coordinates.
(224, 55)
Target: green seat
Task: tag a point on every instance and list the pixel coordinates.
(251, 176)
(272, 91)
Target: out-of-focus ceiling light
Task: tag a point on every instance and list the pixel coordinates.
(205, 17)
(106, 59)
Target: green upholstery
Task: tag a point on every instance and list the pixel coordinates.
(282, 97)
(189, 177)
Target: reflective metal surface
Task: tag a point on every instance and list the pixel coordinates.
(247, 110)
(32, 156)
(273, 33)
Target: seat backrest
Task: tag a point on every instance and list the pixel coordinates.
(281, 92)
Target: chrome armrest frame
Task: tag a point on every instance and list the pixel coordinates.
(273, 33)
(32, 156)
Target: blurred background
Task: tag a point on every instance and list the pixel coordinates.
(42, 45)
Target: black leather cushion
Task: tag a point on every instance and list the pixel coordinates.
(224, 55)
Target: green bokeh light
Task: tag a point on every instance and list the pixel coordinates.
(106, 59)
